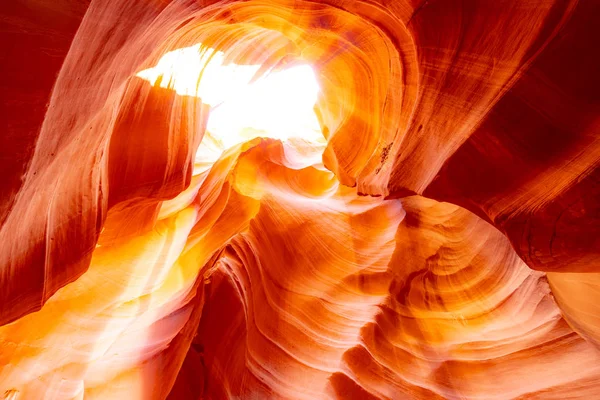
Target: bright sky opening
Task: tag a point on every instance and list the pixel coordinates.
(278, 105)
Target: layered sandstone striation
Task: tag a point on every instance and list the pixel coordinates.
(428, 227)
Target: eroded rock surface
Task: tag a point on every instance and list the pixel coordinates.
(441, 240)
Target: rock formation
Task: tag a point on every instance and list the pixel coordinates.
(184, 214)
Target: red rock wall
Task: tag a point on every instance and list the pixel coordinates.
(444, 242)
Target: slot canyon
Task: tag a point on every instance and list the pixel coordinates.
(300, 199)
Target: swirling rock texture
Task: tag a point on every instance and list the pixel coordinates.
(438, 237)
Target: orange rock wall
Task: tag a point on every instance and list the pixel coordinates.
(444, 242)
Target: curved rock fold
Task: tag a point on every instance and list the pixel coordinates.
(301, 200)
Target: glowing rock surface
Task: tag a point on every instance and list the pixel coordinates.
(300, 200)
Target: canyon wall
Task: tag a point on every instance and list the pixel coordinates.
(441, 241)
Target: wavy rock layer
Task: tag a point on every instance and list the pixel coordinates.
(442, 241)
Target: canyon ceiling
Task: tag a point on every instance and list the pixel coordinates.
(421, 220)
